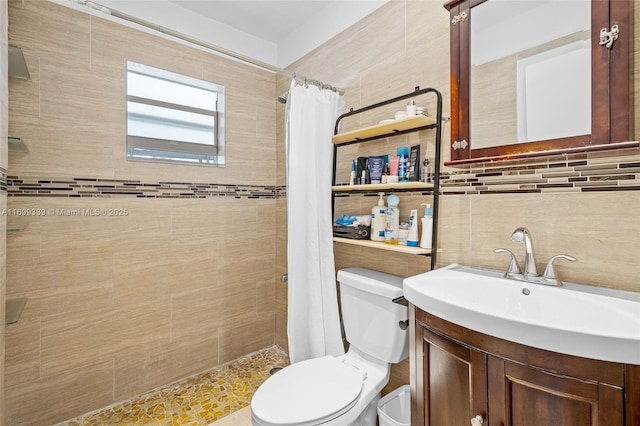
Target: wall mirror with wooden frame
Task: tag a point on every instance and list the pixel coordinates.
(538, 77)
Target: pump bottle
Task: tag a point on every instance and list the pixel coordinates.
(377, 219)
(427, 227)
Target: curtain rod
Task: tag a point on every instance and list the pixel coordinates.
(192, 40)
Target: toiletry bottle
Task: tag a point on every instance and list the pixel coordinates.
(427, 227)
(385, 174)
(411, 108)
(352, 179)
(377, 219)
(412, 238)
(403, 234)
(403, 163)
(392, 220)
(426, 171)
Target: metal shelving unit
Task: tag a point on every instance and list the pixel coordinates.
(385, 130)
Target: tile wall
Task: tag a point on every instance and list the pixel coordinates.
(584, 206)
(137, 274)
(3, 194)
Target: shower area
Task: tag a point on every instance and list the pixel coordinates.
(188, 279)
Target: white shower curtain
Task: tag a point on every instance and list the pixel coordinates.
(313, 326)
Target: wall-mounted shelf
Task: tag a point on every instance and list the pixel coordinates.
(403, 186)
(382, 130)
(383, 246)
(16, 144)
(17, 65)
(13, 309)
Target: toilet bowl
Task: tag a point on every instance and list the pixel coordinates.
(342, 390)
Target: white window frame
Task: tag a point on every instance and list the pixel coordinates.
(157, 149)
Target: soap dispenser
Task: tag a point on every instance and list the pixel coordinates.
(427, 227)
(392, 220)
(377, 219)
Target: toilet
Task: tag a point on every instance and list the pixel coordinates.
(343, 390)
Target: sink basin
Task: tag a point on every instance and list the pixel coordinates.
(574, 319)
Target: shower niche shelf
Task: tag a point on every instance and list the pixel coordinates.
(17, 66)
(13, 309)
(16, 144)
(388, 129)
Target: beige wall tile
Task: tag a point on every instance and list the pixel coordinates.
(22, 352)
(155, 364)
(244, 336)
(61, 396)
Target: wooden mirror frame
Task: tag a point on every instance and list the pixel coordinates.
(610, 85)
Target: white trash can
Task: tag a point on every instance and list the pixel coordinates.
(394, 409)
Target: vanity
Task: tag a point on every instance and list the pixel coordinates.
(490, 350)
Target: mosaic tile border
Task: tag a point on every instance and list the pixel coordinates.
(582, 174)
(553, 175)
(3, 180)
(95, 187)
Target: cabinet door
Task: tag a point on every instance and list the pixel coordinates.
(455, 382)
(522, 396)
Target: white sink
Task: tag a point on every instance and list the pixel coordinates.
(574, 319)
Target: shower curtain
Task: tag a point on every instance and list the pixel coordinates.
(313, 322)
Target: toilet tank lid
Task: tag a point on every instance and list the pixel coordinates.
(367, 280)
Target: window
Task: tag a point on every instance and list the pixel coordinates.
(173, 118)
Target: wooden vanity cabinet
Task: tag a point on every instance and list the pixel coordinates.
(458, 374)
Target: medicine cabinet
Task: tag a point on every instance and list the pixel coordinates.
(386, 129)
(538, 78)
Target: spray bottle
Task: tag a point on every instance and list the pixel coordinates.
(377, 219)
(427, 227)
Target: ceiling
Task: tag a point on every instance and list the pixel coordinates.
(276, 32)
(267, 19)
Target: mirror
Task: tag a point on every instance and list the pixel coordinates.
(531, 78)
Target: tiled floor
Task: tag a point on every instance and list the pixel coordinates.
(198, 400)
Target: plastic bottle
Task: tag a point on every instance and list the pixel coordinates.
(412, 238)
(377, 219)
(411, 108)
(427, 227)
(352, 178)
(403, 163)
(426, 171)
(392, 220)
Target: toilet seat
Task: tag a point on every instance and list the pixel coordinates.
(310, 392)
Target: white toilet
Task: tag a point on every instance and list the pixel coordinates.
(343, 390)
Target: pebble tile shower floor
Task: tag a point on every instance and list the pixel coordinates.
(197, 400)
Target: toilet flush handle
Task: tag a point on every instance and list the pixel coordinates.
(403, 324)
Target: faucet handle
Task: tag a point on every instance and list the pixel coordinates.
(514, 268)
(550, 272)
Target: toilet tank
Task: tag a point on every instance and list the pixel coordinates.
(370, 317)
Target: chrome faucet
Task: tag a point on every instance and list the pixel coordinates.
(522, 235)
(530, 273)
